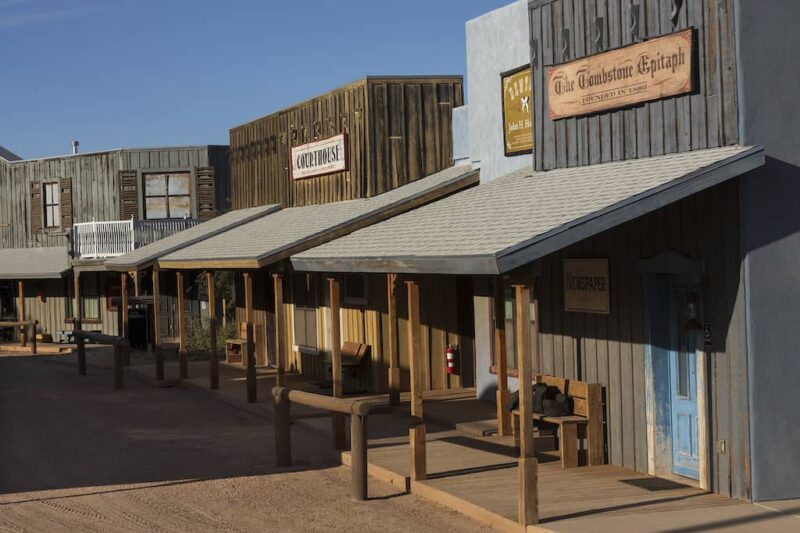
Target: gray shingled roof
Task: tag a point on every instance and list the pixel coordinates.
(33, 263)
(277, 236)
(520, 217)
(8, 155)
(147, 255)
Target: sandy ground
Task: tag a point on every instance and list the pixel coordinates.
(77, 455)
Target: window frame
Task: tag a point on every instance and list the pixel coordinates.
(308, 307)
(167, 174)
(347, 282)
(47, 222)
(511, 333)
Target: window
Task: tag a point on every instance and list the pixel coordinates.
(355, 289)
(167, 195)
(8, 308)
(90, 296)
(511, 335)
(304, 295)
(52, 205)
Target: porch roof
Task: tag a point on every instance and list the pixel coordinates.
(34, 263)
(525, 215)
(145, 256)
(278, 236)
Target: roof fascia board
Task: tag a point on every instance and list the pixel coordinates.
(468, 265)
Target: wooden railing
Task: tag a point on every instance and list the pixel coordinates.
(24, 325)
(358, 411)
(100, 240)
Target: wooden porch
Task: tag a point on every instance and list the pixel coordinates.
(479, 476)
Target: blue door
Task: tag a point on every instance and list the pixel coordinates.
(683, 387)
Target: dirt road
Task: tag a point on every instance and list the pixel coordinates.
(77, 455)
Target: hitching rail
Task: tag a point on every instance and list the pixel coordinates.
(122, 352)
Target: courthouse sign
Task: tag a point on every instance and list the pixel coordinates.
(586, 286)
(517, 104)
(651, 70)
(320, 157)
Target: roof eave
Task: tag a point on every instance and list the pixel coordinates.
(461, 265)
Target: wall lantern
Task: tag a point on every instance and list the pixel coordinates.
(692, 320)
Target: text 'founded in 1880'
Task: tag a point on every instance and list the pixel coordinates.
(642, 72)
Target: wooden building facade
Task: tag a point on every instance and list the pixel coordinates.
(398, 129)
(42, 199)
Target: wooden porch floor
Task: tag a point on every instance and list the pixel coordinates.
(478, 476)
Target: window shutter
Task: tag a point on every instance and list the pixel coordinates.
(128, 195)
(206, 193)
(65, 185)
(36, 207)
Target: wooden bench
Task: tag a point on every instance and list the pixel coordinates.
(234, 348)
(587, 408)
(353, 355)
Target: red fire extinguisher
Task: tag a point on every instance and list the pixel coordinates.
(450, 352)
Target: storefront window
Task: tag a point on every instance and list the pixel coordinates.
(304, 291)
(90, 297)
(510, 329)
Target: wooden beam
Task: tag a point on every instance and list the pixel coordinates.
(252, 391)
(183, 356)
(394, 354)
(23, 332)
(500, 359)
(157, 324)
(280, 329)
(213, 361)
(336, 362)
(417, 431)
(528, 467)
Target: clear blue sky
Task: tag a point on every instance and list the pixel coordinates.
(115, 73)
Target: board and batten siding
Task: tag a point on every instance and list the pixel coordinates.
(609, 349)
(565, 30)
(399, 130)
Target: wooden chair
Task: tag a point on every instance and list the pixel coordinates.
(353, 355)
(587, 408)
(234, 348)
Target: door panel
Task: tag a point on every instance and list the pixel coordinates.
(683, 388)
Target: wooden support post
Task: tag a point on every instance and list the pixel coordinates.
(117, 367)
(34, 348)
(394, 355)
(183, 356)
(417, 431)
(135, 275)
(252, 391)
(213, 361)
(528, 467)
(157, 324)
(358, 456)
(280, 329)
(81, 349)
(339, 441)
(23, 330)
(500, 359)
(123, 305)
(283, 431)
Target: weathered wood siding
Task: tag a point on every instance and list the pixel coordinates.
(609, 349)
(399, 130)
(704, 119)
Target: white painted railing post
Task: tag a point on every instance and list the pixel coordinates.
(133, 235)
(94, 232)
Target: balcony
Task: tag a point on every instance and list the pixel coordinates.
(102, 240)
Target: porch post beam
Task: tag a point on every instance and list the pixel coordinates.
(252, 392)
(394, 355)
(528, 467)
(213, 361)
(183, 359)
(23, 331)
(76, 325)
(280, 329)
(500, 359)
(417, 431)
(157, 323)
(336, 362)
(123, 293)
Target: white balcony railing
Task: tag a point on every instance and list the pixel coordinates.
(100, 240)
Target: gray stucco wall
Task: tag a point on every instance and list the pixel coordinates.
(461, 135)
(496, 42)
(769, 74)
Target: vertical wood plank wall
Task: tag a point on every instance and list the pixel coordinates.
(446, 319)
(95, 195)
(704, 119)
(609, 349)
(399, 130)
